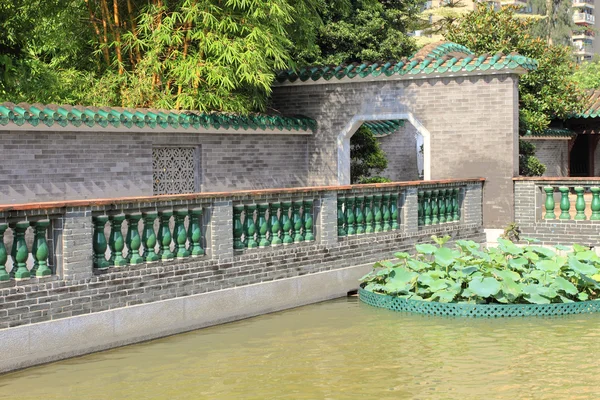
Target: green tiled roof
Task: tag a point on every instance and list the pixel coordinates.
(552, 132)
(384, 128)
(437, 58)
(592, 109)
(76, 116)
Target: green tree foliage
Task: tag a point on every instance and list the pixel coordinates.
(588, 75)
(529, 165)
(557, 24)
(367, 30)
(545, 94)
(366, 157)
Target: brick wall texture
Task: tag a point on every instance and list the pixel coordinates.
(400, 149)
(554, 154)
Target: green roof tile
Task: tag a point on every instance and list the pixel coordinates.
(384, 127)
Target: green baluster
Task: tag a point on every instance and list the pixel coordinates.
(4, 276)
(116, 241)
(385, 210)
(448, 197)
(341, 220)
(455, 207)
(565, 204)
(549, 204)
(377, 213)
(133, 239)
(33, 251)
(297, 221)
(286, 222)
(595, 204)
(179, 233)
(238, 228)
(308, 221)
(195, 231)
(275, 224)
(427, 206)
(250, 227)
(421, 208)
(13, 250)
(350, 217)
(149, 237)
(22, 252)
(369, 216)
(263, 226)
(435, 211)
(394, 210)
(579, 204)
(442, 206)
(41, 252)
(165, 237)
(359, 216)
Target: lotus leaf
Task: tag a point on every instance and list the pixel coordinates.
(548, 253)
(561, 283)
(547, 265)
(445, 256)
(402, 255)
(426, 248)
(582, 268)
(417, 265)
(509, 247)
(579, 248)
(485, 287)
(533, 295)
(444, 296)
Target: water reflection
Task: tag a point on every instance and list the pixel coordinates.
(337, 350)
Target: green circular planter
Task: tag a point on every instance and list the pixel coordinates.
(476, 310)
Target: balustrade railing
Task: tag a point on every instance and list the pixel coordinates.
(167, 234)
(439, 206)
(272, 224)
(372, 212)
(578, 203)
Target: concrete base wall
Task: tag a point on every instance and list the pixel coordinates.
(34, 344)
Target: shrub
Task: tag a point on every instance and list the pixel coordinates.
(508, 274)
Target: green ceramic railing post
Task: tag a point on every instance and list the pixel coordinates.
(420, 208)
(455, 204)
(22, 252)
(549, 203)
(275, 224)
(435, 210)
(378, 215)
(195, 232)
(179, 233)
(238, 228)
(149, 237)
(385, 212)
(340, 217)
(133, 240)
(442, 206)
(308, 221)
(33, 251)
(350, 217)
(448, 197)
(251, 243)
(369, 216)
(427, 206)
(165, 237)
(394, 210)
(595, 204)
(579, 204)
(116, 242)
(263, 226)
(297, 221)
(13, 250)
(286, 222)
(4, 276)
(359, 216)
(565, 204)
(41, 251)
(99, 242)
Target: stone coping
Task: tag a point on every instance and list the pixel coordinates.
(476, 310)
(240, 194)
(558, 178)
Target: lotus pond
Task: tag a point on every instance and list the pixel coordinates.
(340, 349)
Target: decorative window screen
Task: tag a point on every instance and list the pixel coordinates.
(174, 170)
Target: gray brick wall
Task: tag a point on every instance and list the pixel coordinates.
(554, 154)
(400, 149)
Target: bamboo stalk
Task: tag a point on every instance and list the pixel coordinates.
(101, 38)
(117, 31)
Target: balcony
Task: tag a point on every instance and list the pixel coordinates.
(582, 36)
(583, 50)
(583, 18)
(518, 3)
(583, 4)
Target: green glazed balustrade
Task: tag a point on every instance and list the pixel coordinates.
(272, 224)
(438, 206)
(142, 118)
(576, 203)
(134, 248)
(358, 215)
(20, 253)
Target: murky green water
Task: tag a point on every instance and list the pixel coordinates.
(338, 350)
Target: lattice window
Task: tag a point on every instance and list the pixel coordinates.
(174, 170)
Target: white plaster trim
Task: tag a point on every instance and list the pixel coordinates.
(396, 77)
(343, 142)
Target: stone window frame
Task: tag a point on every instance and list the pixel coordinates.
(197, 166)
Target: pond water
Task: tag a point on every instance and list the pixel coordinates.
(338, 350)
